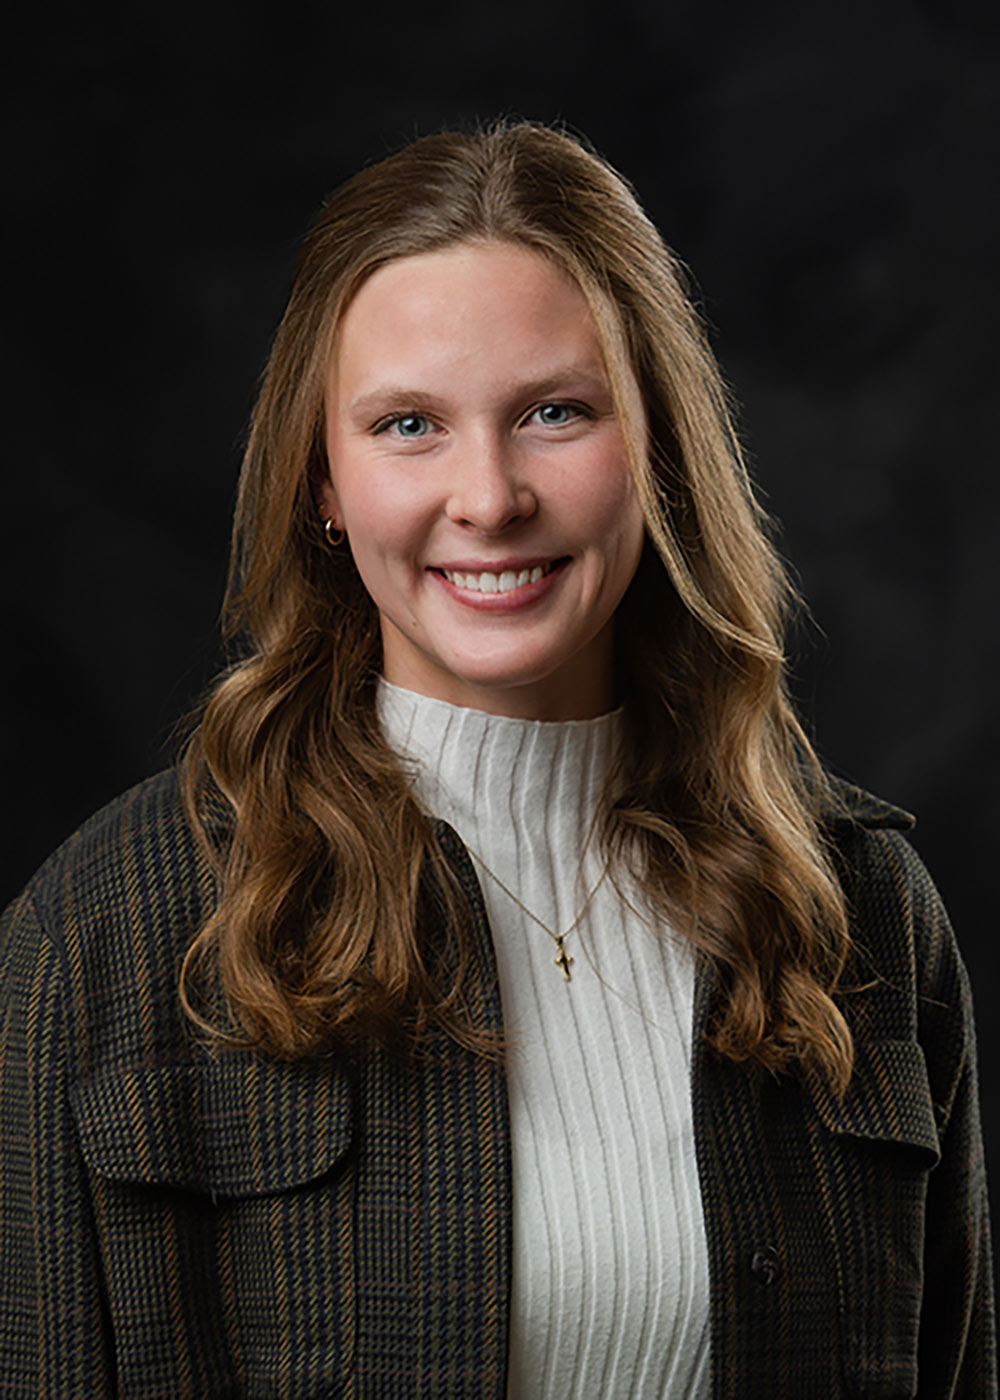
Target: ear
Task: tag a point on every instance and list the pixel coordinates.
(326, 498)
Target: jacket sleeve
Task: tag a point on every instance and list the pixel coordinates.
(53, 1334)
(957, 1343)
(957, 1349)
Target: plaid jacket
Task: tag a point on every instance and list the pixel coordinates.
(174, 1225)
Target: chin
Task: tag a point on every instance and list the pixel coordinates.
(506, 677)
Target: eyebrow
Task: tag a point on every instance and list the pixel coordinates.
(386, 397)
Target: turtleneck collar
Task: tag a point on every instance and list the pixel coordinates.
(508, 786)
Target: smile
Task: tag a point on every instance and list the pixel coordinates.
(504, 582)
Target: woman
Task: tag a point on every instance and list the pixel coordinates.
(502, 1000)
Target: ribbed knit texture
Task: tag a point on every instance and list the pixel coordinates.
(610, 1270)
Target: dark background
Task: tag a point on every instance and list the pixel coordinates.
(828, 172)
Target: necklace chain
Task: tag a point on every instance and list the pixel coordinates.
(564, 960)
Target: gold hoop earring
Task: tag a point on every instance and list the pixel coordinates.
(328, 532)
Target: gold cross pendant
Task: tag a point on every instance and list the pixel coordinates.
(563, 960)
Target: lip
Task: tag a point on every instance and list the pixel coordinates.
(498, 566)
(515, 598)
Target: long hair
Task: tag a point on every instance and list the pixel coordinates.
(328, 867)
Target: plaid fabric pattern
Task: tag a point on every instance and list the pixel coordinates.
(849, 1241)
(178, 1224)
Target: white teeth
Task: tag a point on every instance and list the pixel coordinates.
(496, 583)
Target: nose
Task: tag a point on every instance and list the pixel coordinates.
(489, 490)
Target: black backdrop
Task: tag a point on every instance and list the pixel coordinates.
(828, 173)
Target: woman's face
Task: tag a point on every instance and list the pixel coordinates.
(478, 468)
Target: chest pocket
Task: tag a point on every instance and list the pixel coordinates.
(224, 1203)
(875, 1148)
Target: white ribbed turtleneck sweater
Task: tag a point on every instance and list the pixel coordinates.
(610, 1268)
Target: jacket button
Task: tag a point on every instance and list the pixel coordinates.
(764, 1264)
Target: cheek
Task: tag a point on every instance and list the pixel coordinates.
(622, 530)
(612, 514)
(357, 495)
(387, 527)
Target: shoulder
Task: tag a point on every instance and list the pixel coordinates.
(894, 906)
(883, 878)
(118, 905)
(137, 849)
(906, 980)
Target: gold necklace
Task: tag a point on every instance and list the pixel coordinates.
(563, 960)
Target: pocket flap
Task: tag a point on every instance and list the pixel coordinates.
(887, 1100)
(236, 1126)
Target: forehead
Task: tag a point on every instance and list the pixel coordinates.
(470, 306)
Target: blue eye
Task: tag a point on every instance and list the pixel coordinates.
(407, 425)
(554, 415)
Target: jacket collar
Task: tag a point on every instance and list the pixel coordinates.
(846, 805)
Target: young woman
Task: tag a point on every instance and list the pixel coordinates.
(500, 1000)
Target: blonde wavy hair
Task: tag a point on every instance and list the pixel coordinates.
(330, 872)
